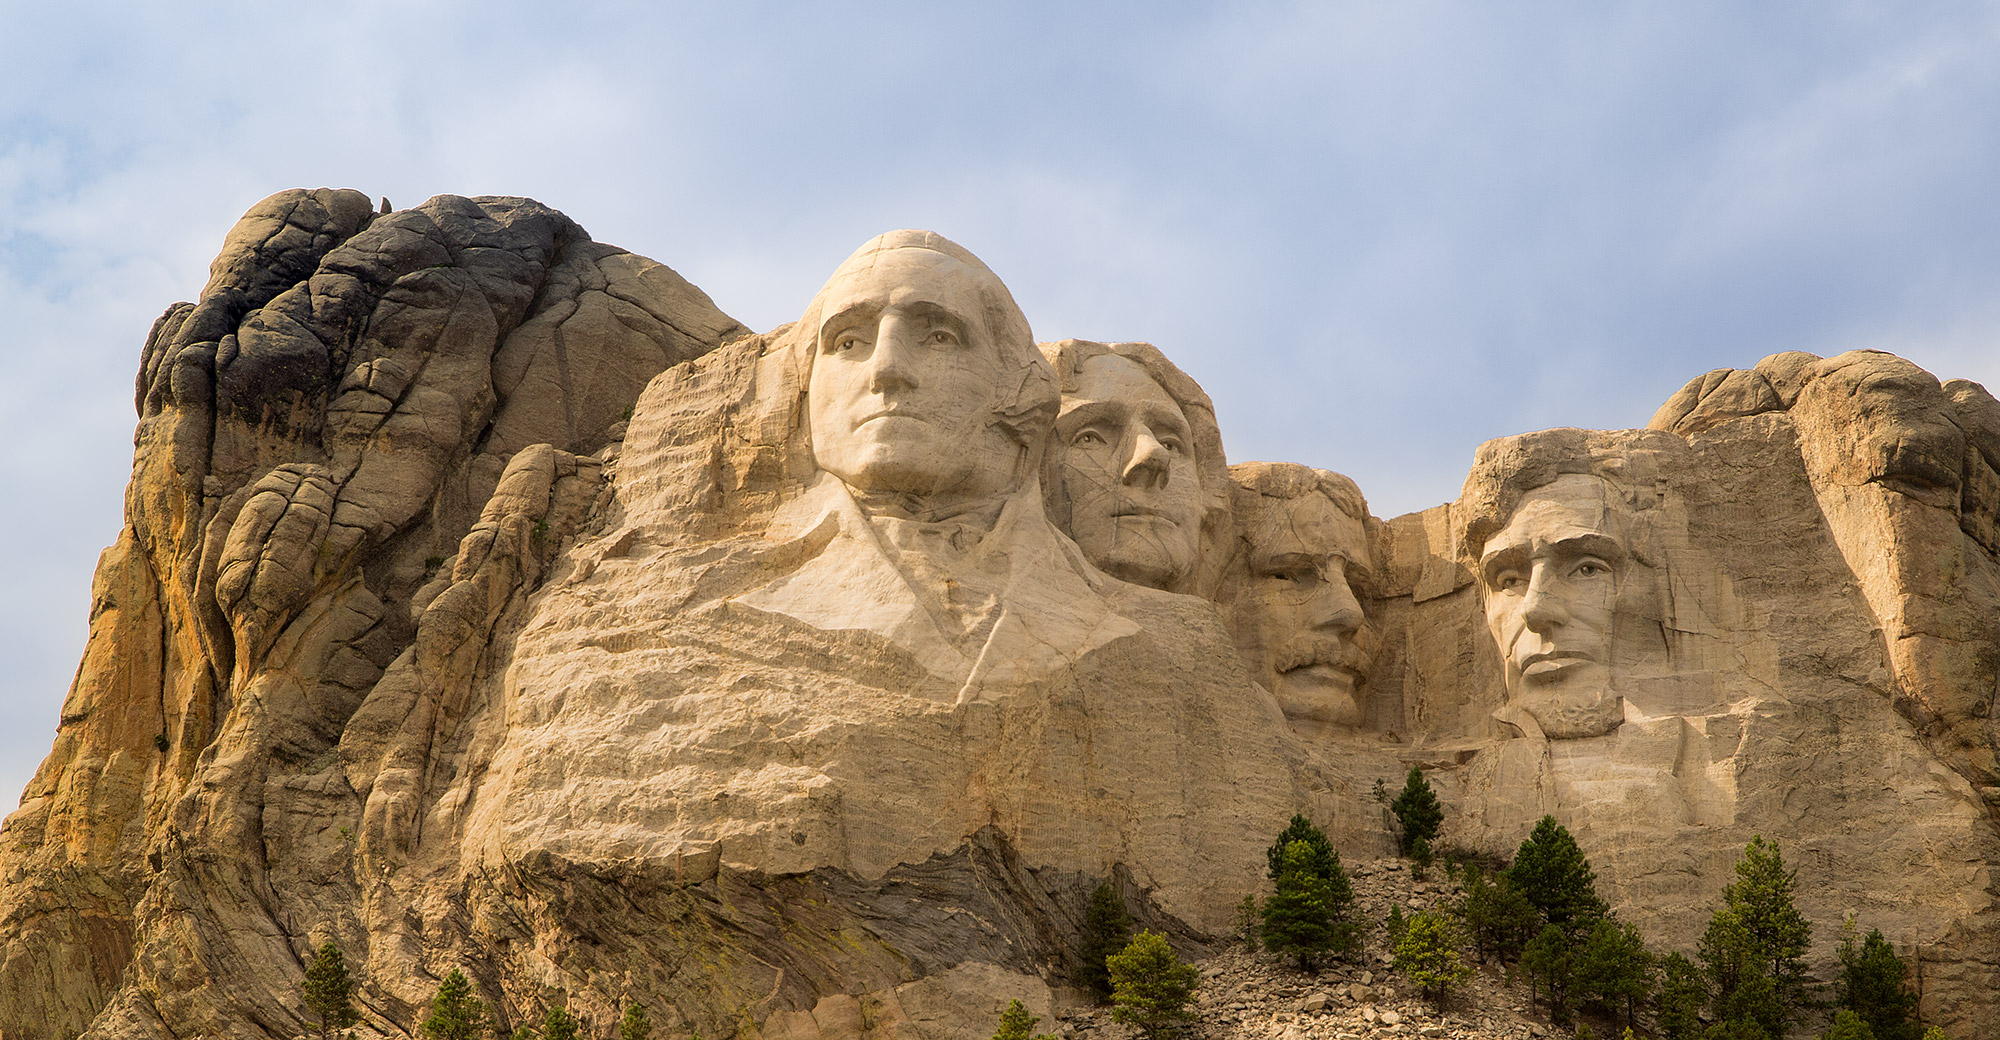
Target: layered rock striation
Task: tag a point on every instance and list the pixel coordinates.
(489, 600)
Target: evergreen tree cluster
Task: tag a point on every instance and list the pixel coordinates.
(1418, 815)
(1151, 987)
(1311, 912)
(1106, 930)
(455, 1013)
(1015, 1024)
(1746, 981)
(1872, 986)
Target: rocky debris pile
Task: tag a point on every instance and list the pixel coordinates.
(1252, 994)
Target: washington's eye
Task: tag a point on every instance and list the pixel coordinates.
(1592, 569)
(843, 343)
(1173, 444)
(1509, 581)
(942, 338)
(1087, 439)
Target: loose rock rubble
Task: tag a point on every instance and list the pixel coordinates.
(1253, 995)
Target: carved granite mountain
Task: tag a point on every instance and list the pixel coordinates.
(491, 601)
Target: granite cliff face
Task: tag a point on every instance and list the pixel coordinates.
(491, 600)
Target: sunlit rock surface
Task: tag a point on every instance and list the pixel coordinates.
(490, 600)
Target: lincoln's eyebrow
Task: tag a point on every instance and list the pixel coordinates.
(1509, 555)
(1602, 545)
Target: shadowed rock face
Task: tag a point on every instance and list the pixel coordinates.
(489, 600)
(317, 435)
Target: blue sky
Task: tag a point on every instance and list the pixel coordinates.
(1377, 233)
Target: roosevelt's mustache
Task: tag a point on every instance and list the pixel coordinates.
(1311, 650)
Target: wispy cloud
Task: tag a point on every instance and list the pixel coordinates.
(1378, 233)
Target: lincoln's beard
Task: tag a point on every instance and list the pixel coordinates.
(1579, 702)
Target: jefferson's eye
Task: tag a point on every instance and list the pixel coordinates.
(1509, 581)
(1173, 444)
(1591, 569)
(1087, 438)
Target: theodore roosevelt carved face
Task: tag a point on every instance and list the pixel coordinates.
(1296, 608)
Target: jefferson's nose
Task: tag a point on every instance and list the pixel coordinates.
(1150, 461)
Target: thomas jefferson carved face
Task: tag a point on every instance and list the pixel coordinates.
(906, 378)
(1551, 579)
(1297, 618)
(1129, 473)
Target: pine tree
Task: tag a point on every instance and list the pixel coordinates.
(1017, 1024)
(1550, 959)
(559, 1024)
(635, 1024)
(1681, 998)
(1324, 858)
(455, 1013)
(1249, 921)
(1500, 919)
(1552, 874)
(1106, 930)
(1420, 858)
(1754, 948)
(329, 992)
(1614, 967)
(1310, 914)
(1417, 810)
(1849, 1026)
(1150, 987)
(1396, 924)
(1427, 955)
(1871, 985)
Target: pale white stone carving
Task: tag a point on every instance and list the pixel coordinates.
(930, 407)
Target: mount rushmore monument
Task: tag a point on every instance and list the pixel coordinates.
(489, 600)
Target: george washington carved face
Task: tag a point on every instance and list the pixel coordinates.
(906, 379)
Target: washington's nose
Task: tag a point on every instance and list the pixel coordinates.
(892, 363)
(1150, 462)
